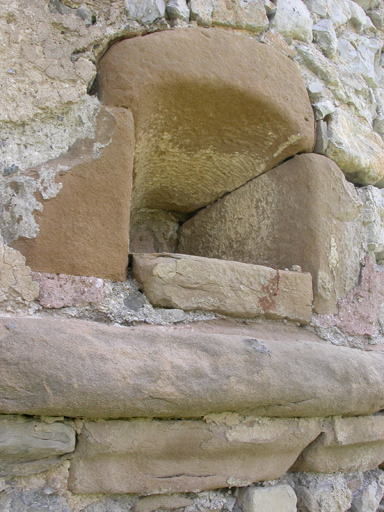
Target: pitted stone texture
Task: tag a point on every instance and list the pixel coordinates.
(279, 498)
(153, 231)
(370, 494)
(292, 19)
(325, 36)
(346, 445)
(28, 446)
(227, 287)
(242, 14)
(176, 372)
(58, 291)
(303, 212)
(206, 119)
(16, 284)
(356, 149)
(164, 457)
(145, 11)
(83, 230)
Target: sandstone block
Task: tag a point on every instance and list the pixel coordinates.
(83, 230)
(206, 119)
(346, 445)
(226, 287)
(54, 367)
(28, 446)
(164, 457)
(303, 212)
(279, 498)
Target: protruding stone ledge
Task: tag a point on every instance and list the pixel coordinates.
(346, 445)
(164, 457)
(53, 367)
(227, 287)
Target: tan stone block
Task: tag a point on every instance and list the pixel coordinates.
(226, 287)
(277, 498)
(212, 110)
(153, 457)
(73, 368)
(303, 212)
(163, 502)
(83, 230)
(346, 445)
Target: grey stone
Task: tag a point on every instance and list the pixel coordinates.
(179, 372)
(325, 36)
(20, 500)
(270, 7)
(315, 90)
(242, 14)
(112, 504)
(201, 11)
(145, 11)
(369, 496)
(359, 19)
(29, 446)
(177, 10)
(377, 17)
(368, 4)
(292, 19)
(321, 138)
(165, 457)
(279, 498)
(318, 7)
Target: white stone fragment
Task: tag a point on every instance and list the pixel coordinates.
(177, 10)
(325, 36)
(368, 4)
(292, 19)
(145, 11)
(201, 11)
(279, 498)
(323, 109)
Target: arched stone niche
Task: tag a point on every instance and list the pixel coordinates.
(195, 114)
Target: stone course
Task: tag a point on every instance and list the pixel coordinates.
(227, 287)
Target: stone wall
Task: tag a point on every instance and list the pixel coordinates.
(191, 259)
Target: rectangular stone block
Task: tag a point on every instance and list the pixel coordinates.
(277, 498)
(227, 287)
(164, 457)
(346, 445)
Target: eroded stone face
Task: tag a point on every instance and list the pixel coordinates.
(84, 221)
(161, 457)
(177, 372)
(212, 109)
(227, 287)
(303, 213)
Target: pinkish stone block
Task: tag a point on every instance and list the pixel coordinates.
(59, 291)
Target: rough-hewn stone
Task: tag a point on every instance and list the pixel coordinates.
(28, 446)
(346, 445)
(56, 367)
(279, 498)
(206, 119)
(161, 457)
(84, 222)
(292, 19)
(303, 212)
(227, 287)
(16, 284)
(58, 291)
(243, 14)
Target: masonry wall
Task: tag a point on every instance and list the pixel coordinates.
(191, 279)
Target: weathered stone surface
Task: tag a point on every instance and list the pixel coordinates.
(178, 10)
(59, 291)
(227, 287)
(279, 498)
(356, 149)
(206, 119)
(28, 446)
(175, 372)
(325, 36)
(84, 223)
(16, 284)
(303, 212)
(145, 11)
(161, 457)
(242, 14)
(153, 231)
(346, 445)
(370, 494)
(163, 502)
(292, 19)
(32, 501)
